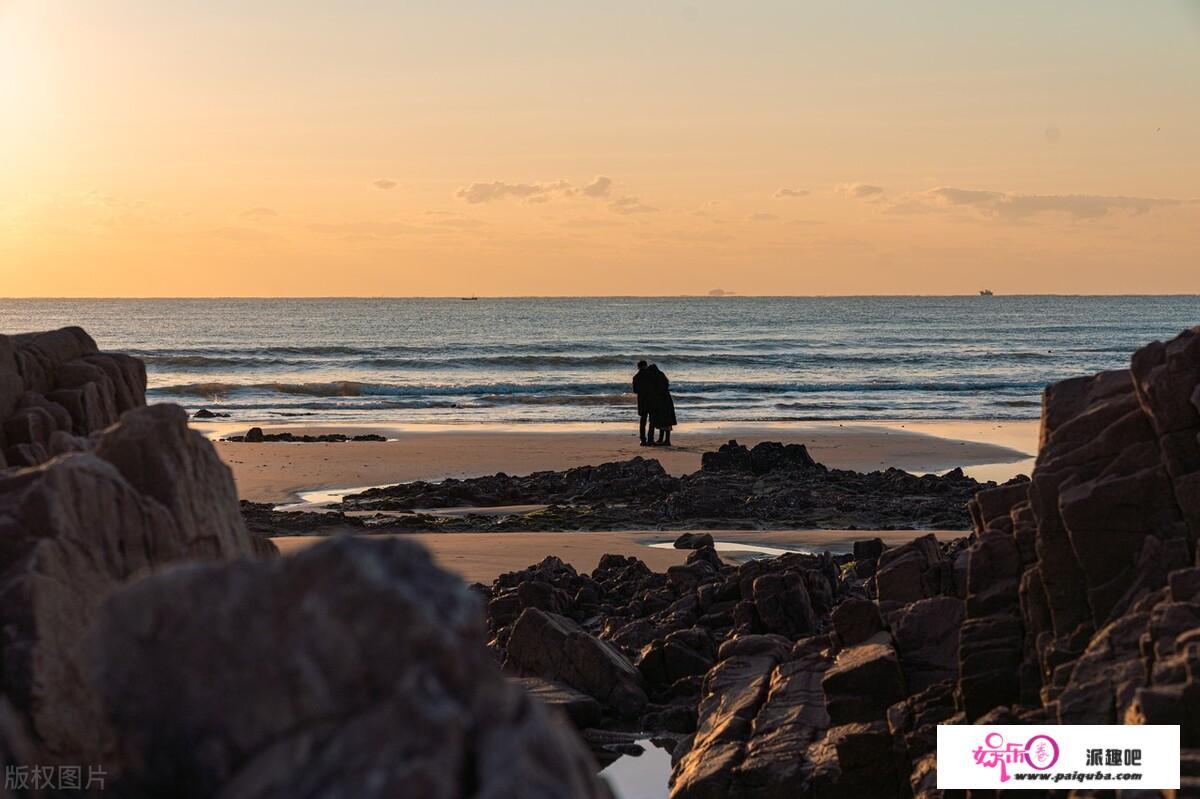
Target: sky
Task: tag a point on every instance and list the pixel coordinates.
(528, 147)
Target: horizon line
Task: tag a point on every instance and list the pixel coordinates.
(726, 296)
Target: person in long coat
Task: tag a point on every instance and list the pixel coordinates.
(662, 406)
(642, 388)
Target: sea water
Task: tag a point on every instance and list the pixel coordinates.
(571, 359)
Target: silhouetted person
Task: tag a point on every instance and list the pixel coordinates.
(661, 406)
(641, 388)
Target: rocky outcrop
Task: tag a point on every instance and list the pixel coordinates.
(58, 385)
(772, 485)
(110, 490)
(1075, 600)
(255, 435)
(1080, 608)
(639, 478)
(353, 669)
(554, 647)
(771, 678)
(142, 633)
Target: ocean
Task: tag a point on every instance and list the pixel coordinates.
(549, 360)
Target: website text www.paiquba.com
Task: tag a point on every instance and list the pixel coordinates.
(1079, 776)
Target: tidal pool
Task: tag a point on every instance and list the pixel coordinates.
(641, 776)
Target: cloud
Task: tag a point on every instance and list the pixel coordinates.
(258, 213)
(630, 205)
(760, 217)
(1019, 207)
(600, 187)
(859, 190)
(782, 193)
(384, 183)
(499, 190)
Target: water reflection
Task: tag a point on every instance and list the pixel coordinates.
(641, 776)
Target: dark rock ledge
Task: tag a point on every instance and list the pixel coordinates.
(255, 435)
(769, 486)
(1075, 600)
(146, 633)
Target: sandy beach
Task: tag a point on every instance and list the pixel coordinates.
(481, 557)
(280, 472)
(283, 472)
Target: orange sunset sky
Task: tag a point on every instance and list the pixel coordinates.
(526, 147)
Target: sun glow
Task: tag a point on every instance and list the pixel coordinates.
(537, 148)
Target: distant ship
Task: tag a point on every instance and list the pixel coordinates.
(985, 293)
(473, 299)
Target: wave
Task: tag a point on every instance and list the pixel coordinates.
(556, 399)
(419, 358)
(513, 392)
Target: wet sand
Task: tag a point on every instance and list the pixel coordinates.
(277, 472)
(481, 557)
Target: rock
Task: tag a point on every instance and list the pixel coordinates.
(76, 530)
(694, 541)
(377, 683)
(554, 647)
(865, 766)
(856, 621)
(682, 653)
(989, 662)
(868, 548)
(734, 691)
(909, 572)
(205, 413)
(294, 438)
(581, 709)
(782, 603)
(58, 381)
(791, 718)
(926, 634)
(671, 718)
(731, 457)
(913, 722)
(770, 455)
(863, 682)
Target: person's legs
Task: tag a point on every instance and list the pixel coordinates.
(642, 428)
(650, 432)
(666, 441)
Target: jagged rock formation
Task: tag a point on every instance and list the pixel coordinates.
(741, 667)
(1081, 605)
(353, 669)
(99, 494)
(1076, 600)
(79, 527)
(84, 508)
(58, 385)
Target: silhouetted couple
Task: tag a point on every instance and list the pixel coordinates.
(655, 406)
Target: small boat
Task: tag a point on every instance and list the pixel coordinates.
(469, 299)
(985, 293)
